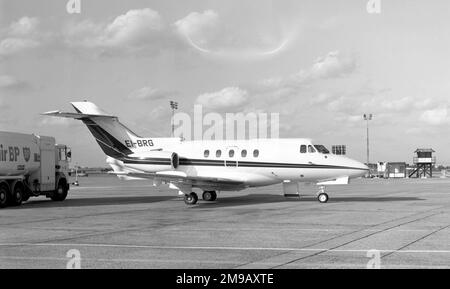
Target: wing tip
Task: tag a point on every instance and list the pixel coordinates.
(51, 113)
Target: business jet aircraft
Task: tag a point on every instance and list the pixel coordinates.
(228, 165)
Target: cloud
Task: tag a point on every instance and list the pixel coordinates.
(11, 46)
(134, 27)
(321, 98)
(333, 65)
(229, 97)
(21, 35)
(265, 95)
(435, 116)
(349, 106)
(55, 121)
(400, 104)
(198, 28)
(160, 112)
(138, 30)
(150, 93)
(3, 104)
(11, 83)
(24, 26)
(7, 81)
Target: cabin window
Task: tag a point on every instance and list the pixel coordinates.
(255, 153)
(303, 149)
(206, 153)
(311, 149)
(244, 153)
(218, 153)
(231, 153)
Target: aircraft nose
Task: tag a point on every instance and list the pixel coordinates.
(359, 169)
(363, 169)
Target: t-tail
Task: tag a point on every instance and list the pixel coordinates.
(115, 139)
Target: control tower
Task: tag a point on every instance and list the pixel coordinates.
(424, 162)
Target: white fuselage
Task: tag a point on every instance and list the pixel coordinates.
(256, 162)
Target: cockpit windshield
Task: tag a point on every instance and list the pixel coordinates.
(322, 149)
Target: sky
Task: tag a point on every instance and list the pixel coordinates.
(320, 64)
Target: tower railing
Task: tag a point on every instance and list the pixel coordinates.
(421, 160)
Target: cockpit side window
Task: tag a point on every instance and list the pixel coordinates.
(311, 149)
(322, 149)
(303, 149)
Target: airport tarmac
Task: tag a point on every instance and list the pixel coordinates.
(118, 224)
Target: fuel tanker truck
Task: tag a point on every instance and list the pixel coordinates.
(31, 166)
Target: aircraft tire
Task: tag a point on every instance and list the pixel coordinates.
(209, 196)
(322, 198)
(191, 199)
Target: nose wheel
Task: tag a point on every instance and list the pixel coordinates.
(322, 197)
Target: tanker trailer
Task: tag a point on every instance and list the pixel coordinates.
(31, 166)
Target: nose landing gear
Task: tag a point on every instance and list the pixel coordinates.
(322, 197)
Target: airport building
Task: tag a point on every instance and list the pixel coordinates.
(424, 163)
(396, 170)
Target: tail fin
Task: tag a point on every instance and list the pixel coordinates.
(114, 138)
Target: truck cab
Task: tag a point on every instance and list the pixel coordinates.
(62, 158)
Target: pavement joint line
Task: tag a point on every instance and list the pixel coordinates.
(91, 233)
(221, 229)
(360, 238)
(77, 217)
(116, 260)
(345, 265)
(212, 248)
(417, 240)
(422, 254)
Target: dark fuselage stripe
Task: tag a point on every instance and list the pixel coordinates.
(194, 162)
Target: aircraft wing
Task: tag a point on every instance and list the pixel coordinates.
(336, 181)
(182, 178)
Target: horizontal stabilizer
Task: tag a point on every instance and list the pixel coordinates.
(75, 115)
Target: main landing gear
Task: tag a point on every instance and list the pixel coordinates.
(209, 196)
(192, 198)
(322, 197)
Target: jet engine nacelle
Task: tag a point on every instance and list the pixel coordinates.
(153, 161)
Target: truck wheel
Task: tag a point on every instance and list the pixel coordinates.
(26, 196)
(4, 194)
(17, 195)
(60, 193)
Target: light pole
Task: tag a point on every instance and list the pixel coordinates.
(367, 117)
(173, 106)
